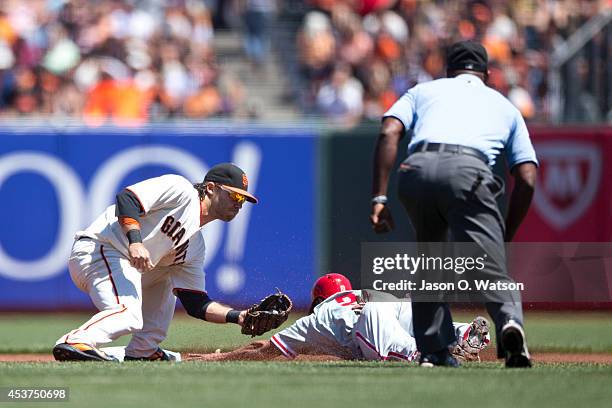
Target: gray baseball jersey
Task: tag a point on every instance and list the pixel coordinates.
(338, 326)
(327, 330)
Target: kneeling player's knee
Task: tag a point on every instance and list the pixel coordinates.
(135, 318)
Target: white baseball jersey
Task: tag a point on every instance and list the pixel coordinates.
(337, 326)
(129, 301)
(169, 227)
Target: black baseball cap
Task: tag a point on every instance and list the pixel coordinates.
(467, 55)
(231, 177)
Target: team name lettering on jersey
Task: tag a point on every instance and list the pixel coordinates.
(173, 229)
(181, 253)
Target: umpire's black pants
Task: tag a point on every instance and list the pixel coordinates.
(451, 197)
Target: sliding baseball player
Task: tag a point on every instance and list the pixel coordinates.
(355, 325)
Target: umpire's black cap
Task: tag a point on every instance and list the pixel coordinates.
(231, 177)
(467, 55)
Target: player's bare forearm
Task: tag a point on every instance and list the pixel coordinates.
(256, 351)
(217, 313)
(385, 154)
(520, 199)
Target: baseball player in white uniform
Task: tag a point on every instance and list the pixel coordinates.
(141, 254)
(354, 324)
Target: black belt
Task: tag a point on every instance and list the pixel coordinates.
(450, 148)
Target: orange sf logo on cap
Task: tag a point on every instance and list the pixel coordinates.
(245, 180)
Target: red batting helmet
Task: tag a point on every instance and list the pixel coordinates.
(330, 284)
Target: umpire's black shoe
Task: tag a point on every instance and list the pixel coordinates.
(439, 359)
(159, 355)
(80, 352)
(514, 343)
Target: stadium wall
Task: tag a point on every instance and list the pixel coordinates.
(54, 182)
(314, 187)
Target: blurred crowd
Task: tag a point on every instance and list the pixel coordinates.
(359, 56)
(124, 61)
(133, 61)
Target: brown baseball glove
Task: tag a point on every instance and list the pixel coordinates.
(475, 339)
(267, 315)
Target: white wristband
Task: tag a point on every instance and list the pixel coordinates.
(381, 199)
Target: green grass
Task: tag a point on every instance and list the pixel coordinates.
(563, 332)
(573, 332)
(301, 384)
(580, 332)
(310, 384)
(30, 333)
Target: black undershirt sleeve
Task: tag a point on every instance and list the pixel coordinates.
(195, 303)
(128, 205)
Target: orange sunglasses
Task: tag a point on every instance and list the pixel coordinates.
(237, 197)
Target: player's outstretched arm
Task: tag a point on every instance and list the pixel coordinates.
(199, 305)
(218, 313)
(256, 351)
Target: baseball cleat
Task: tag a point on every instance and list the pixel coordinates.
(515, 346)
(79, 352)
(159, 355)
(440, 359)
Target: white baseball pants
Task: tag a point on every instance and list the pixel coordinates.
(129, 302)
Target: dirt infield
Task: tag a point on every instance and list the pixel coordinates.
(546, 358)
(554, 357)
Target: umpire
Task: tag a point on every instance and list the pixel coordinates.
(459, 127)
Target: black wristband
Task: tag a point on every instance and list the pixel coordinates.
(232, 316)
(133, 236)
